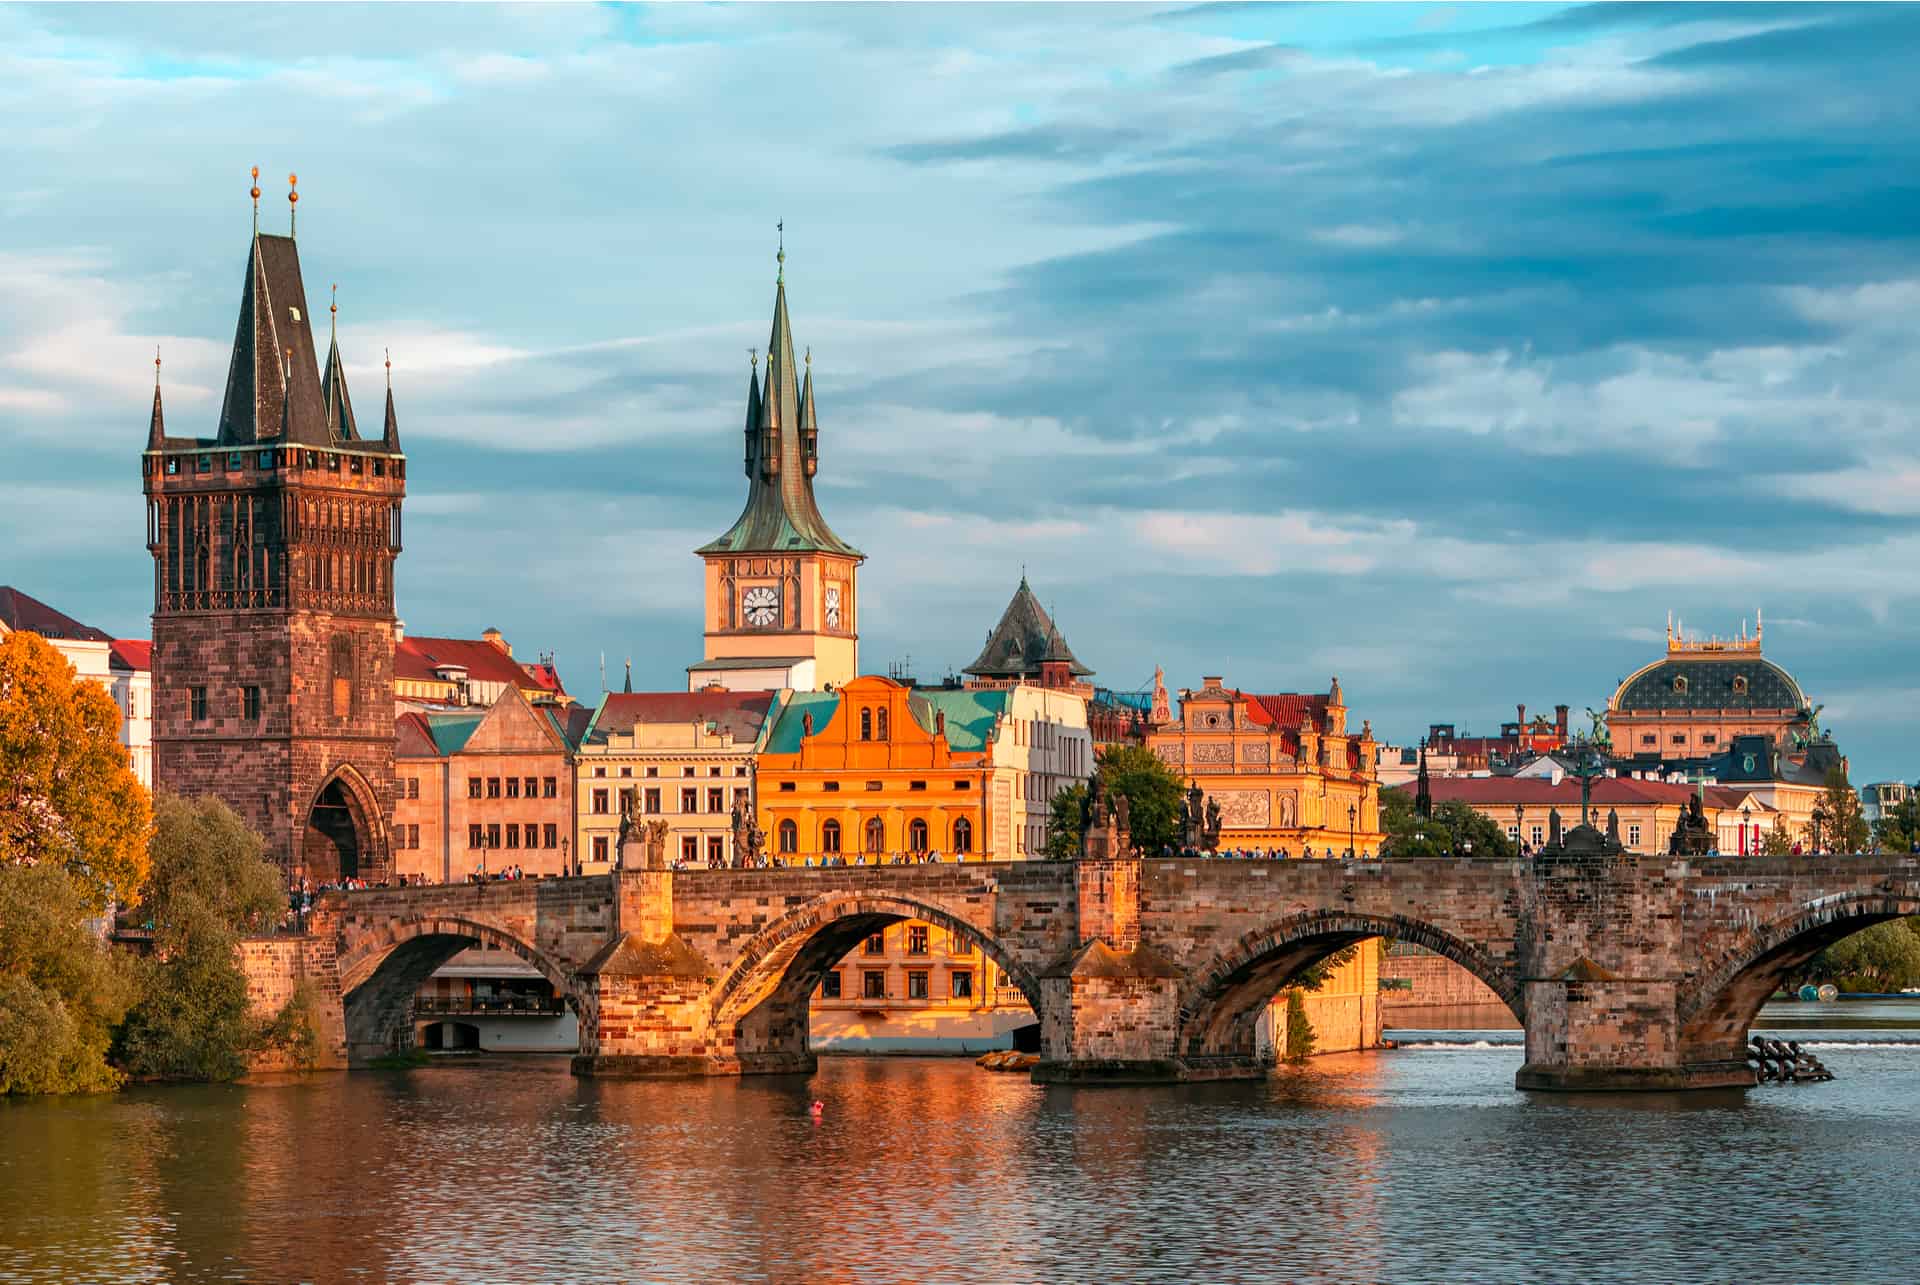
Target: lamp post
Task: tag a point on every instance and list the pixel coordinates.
(1519, 818)
(1819, 818)
(1746, 813)
(566, 848)
(1352, 812)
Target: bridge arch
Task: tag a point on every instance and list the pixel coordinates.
(1718, 1008)
(760, 1004)
(1223, 998)
(380, 973)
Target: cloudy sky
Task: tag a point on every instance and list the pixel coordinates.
(1443, 348)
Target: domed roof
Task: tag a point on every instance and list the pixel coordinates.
(1739, 680)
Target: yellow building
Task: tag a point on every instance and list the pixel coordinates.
(782, 594)
(1286, 773)
(685, 758)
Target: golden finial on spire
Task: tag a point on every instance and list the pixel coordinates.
(389, 353)
(156, 368)
(753, 358)
(781, 258)
(809, 354)
(293, 202)
(333, 308)
(255, 193)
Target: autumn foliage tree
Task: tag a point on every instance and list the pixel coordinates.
(67, 796)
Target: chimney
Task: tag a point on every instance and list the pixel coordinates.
(498, 639)
(1560, 720)
(1523, 718)
(399, 631)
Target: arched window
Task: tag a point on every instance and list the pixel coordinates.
(917, 835)
(866, 724)
(830, 836)
(876, 835)
(789, 837)
(963, 835)
(883, 726)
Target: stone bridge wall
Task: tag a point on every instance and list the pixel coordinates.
(1626, 971)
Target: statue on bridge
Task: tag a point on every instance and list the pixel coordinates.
(1692, 836)
(642, 844)
(1108, 833)
(749, 840)
(1200, 820)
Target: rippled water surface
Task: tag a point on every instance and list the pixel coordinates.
(1416, 1165)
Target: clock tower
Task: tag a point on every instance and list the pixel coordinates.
(782, 603)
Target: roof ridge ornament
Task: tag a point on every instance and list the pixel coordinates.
(780, 277)
(255, 193)
(293, 203)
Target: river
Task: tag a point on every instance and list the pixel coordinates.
(1419, 1164)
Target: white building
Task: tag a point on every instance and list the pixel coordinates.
(121, 666)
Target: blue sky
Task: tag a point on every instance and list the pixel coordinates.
(1445, 348)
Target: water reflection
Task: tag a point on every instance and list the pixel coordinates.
(1412, 1165)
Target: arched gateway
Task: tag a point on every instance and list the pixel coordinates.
(1628, 972)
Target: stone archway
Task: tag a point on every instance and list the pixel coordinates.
(759, 1009)
(343, 837)
(1717, 1011)
(1223, 1001)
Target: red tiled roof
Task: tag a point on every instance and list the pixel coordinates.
(133, 653)
(22, 611)
(1284, 709)
(740, 713)
(416, 657)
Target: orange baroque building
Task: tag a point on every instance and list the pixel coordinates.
(1284, 769)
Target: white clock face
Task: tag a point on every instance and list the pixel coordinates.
(761, 606)
(833, 606)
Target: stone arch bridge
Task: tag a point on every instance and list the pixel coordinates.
(1627, 972)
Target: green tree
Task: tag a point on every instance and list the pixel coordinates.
(1885, 957)
(1845, 829)
(61, 989)
(1065, 829)
(1298, 1044)
(1152, 790)
(1776, 842)
(209, 886)
(1899, 825)
(1446, 833)
(67, 795)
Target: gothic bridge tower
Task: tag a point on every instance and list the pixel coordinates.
(781, 598)
(274, 543)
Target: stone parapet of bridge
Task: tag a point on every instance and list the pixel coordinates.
(1626, 971)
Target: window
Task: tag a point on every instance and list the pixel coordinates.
(474, 836)
(962, 835)
(493, 836)
(599, 803)
(740, 771)
(716, 801)
(473, 787)
(830, 985)
(916, 785)
(875, 785)
(866, 724)
(626, 771)
(1679, 738)
(1710, 738)
(197, 701)
(493, 787)
(962, 983)
(549, 788)
(917, 835)
(789, 837)
(686, 771)
(876, 835)
(513, 787)
(1513, 833)
(1649, 739)
(1633, 836)
(689, 800)
(873, 984)
(626, 801)
(917, 939)
(413, 787)
(653, 771)
(830, 836)
(713, 771)
(342, 676)
(653, 799)
(958, 946)
(916, 983)
(788, 787)
(880, 725)
(1538, 835)
(963, 785)
(413, 836)
(599, 847)
(716, 850)
(250, 704)
(553, 835)
(513, 835)
(599, 771)
(689, 848)
(875, 944)
(533, 787)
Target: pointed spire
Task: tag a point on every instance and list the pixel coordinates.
(156, 428)
(753, 408)
(809, 429)
(627, 686)
(391, 436)
(333, 385)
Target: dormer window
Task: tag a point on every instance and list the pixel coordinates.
(1680, 685)
(1739, 684)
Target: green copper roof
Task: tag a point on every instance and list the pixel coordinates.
(451, 732)
(789, 727)
(970, 714)
(781, 515)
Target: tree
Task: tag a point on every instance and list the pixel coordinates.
(1446, 833)
(1298, 1044)
(1885, 957)
(1845, 829)
(1065, 829)
(67, 796)
(209, 885)
(1153, 794)
(1898, 828)
(61, 989)
(1776, 842)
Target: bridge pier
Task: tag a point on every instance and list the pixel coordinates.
(1589, 1031)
